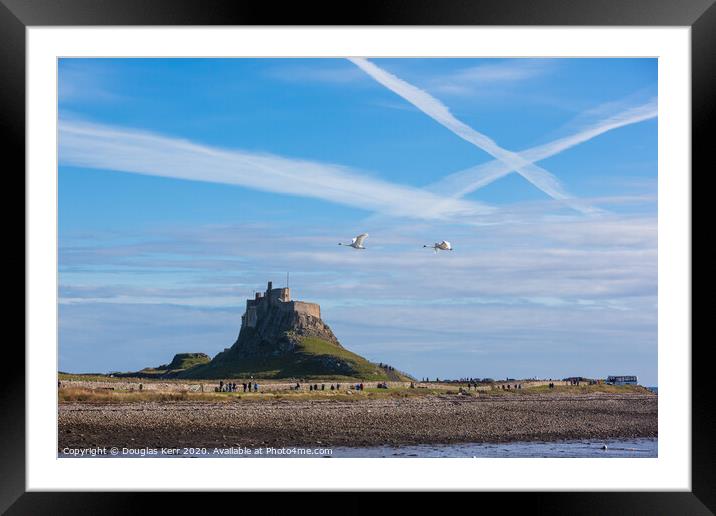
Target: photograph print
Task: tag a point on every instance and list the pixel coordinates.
(357, 257)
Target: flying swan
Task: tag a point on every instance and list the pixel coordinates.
(357, 242)
(440, 246)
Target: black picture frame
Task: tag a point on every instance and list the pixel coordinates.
(700, 15)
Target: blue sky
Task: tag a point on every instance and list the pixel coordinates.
(186, 184)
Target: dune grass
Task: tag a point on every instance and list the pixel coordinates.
(80, 394)
(580, 389)
(90, 377)
(104, 396)
(71, 394)
(570, 389)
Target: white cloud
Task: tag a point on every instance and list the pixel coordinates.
(470, 80)
(79, 82)
(570, 260)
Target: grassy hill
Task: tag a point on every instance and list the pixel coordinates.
(312, 358)
(187, 360)
(180, 363)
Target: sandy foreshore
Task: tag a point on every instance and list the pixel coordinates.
(419, 420)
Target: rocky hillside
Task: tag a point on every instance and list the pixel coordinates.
(289, 344)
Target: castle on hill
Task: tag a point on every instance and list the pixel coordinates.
(275, 299)
(283, 338)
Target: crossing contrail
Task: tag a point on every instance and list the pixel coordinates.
(466, 181)
(107, 147)
(435, 109)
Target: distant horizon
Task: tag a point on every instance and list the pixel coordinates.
(184, 185)
(436, 379)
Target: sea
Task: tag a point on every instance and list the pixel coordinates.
(611, 448)
(630, 448)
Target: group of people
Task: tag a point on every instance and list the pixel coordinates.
(470, 386)
(315, 387)
(254, 387)
(234, 387)
(508, 386)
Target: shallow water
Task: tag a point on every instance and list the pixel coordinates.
(565, 449)
(629, 448)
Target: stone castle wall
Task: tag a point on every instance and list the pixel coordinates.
(282, 294)
(312, 309)
(279, 298)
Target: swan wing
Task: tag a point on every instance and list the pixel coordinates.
(360, 239)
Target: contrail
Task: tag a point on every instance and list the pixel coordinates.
(127, 150)
(432, 107)
(465, 181)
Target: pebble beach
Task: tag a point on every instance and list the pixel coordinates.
(439, 419)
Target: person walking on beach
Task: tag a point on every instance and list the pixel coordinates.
(221, 386)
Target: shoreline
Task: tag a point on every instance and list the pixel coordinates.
(431, 419)
(640, 447)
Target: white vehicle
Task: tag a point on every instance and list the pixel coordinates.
(440, 246)
(357, 242)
